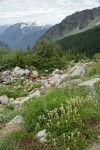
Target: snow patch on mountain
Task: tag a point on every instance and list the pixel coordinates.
(33, 24)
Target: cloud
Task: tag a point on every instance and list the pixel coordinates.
(98, 1)
(45, 11)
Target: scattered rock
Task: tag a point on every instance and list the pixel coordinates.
(27, 72)
(36, 94)
(20, 99)
(90, 83)
(41, 135)
(32, 77)
(46, 71)
(95, 146)
(15, 125)
(6, 77)
(6, 73)
(45, 83)
(74, 82)
(78, 71)
(16, 103)
(35, 73)
(56, 71)
(43, 140)
(20, 72)
(7, 81)
(57, 79)
(17, 120)
(4, 100)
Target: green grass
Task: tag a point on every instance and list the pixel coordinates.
(36, 86)
(9, 113)
(9, 142)
(12, 92)
(94, 71)
(21, 141)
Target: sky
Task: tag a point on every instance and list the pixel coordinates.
(43, 11)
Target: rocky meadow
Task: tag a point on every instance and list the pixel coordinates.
(57, 109)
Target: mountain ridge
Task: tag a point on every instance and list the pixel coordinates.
(13, 35)
(73, 24)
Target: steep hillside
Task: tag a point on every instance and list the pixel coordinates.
(88, 42)
(73, 24)
(2, 44)
(17, 32)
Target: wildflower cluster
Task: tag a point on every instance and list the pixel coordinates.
(65, 124)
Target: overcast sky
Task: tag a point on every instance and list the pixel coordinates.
(44, 11)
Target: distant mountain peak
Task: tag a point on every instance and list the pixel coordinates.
(32, 24)
(22, 35)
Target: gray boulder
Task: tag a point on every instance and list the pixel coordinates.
(35, 73)
(74, 82)
(78, 71)
(15, 125)
(17, 120)
(4, 100)
(6, 73)
(56, 71)
(36, 94)
(27, 72)
(20, 72)
(45, 83)
(42, 135)
(57, 79)
(7, 81)
(90, 83)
